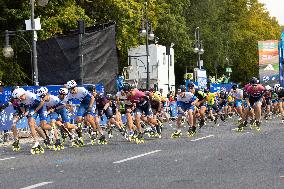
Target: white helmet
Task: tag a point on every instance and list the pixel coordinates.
(276, 86)
(18, 92)
(267, 87)
(42, 91)
(63, 91)
(71, 84)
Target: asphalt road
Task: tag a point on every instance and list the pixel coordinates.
(216, 158)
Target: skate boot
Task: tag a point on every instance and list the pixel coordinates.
(37, 149)
(282, 121)
(239, 121)
(159, 131)
(252, 123)
(223, 117)
(74, 142)
(257, 125)
(123, 132)
(176, 134)
(15, 146)
(58, 145)
(191, 131)
(90, 130)
(79, 132)
(80, 142)
(216, 121)
(131, 136)
(140, 138)
(102, 140)
(148, 131)
(143, 125)
(240, 127)
(110, 135)
(47, 143)
(94, 136)
(153, 132)
(64, 136)
(201, 123)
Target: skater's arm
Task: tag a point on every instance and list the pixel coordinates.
(91, 102)
(39, 106)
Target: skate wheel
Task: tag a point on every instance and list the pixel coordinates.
(33, 152)
(62, 147)
(42, 150)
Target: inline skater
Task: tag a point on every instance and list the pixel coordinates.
(86, 109)
(237, 95)
(200, 104)
(255, 92)
(35, 107)
(186, 107)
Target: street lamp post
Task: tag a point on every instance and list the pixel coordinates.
(34, 39)
(149, 36)
(198, 45)
(8, 51)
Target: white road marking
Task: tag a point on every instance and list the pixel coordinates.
(7, 158)
(138, 156)
(37, 185)
(202, 138)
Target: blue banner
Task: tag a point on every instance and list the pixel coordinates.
(7, 114)
(281, 45)
(219, 87)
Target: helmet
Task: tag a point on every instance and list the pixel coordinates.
(63, 91)
(276, 86)
(109, 96)
(234, 87)
(91, 88)
(253, 80)
(182, 88)
(18, 92)
(158, 93)
(206, 91)
(191, 85)
(42, 91)
(71, 84)
(267, 87)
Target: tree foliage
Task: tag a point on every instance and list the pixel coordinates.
(229, 30)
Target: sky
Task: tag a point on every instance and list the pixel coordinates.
(276, 9)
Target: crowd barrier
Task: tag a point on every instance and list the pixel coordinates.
(7, 114)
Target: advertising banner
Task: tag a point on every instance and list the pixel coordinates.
(268, 62)
(281, 45)
(7, 114)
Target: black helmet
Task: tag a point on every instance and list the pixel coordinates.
(206, 90)
(191, 85)
(91, 88)
(234, 87)
(253, 81)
